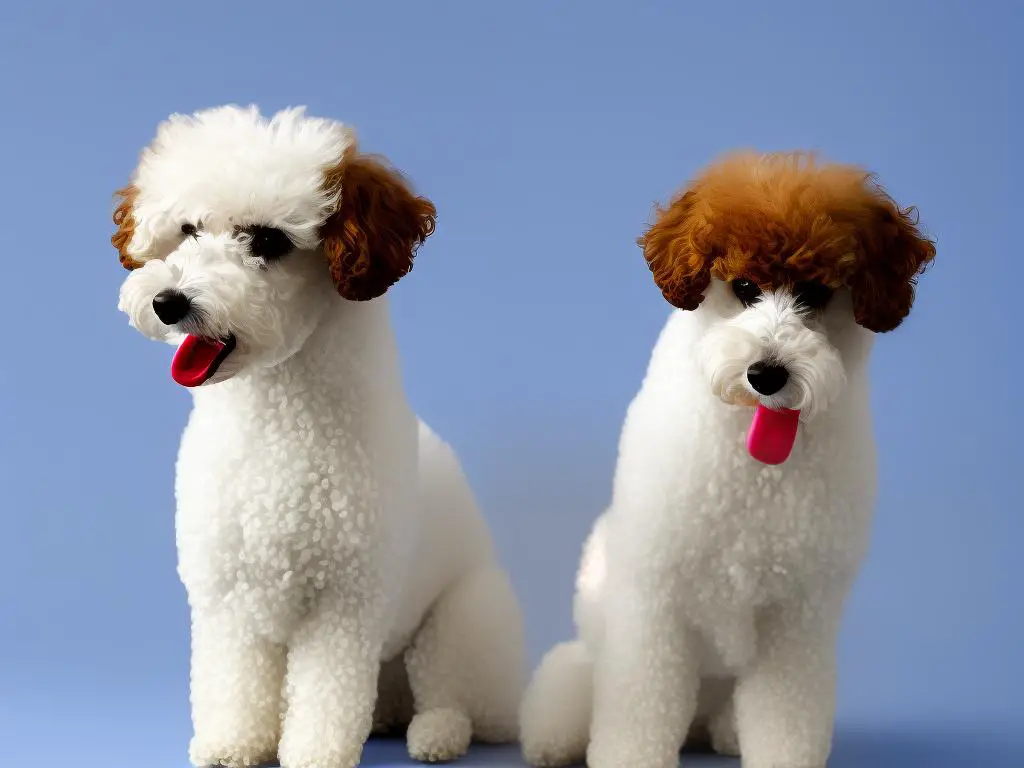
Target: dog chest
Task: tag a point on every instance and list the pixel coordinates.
(279, 508)
(739, 532)
(748, 535)
(752, 542)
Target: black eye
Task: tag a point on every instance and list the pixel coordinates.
(189, 230)
(812, 294)
(269, 243)
(746, 291)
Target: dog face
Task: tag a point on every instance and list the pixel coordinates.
(239, 232)
(792, 264)
(782, 348)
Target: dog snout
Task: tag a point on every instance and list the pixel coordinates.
(171, 306)
(766, 378)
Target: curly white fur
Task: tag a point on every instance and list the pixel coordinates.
(710, 592)
(339, 574)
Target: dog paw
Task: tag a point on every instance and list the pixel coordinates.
(550, 755)
(439, 735)
(323, 758)
(319, 754)
(638, 754)
(722, 730)
(207, 754)
(724, 742)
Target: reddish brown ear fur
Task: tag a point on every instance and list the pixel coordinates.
(894, 253)
(125, 222)
(372, 238)
(781, 218)
(674, 255)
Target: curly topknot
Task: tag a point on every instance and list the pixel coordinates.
(778, 219)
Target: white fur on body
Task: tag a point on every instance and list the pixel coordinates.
(311, 553)
(710, 593)
(339, 573)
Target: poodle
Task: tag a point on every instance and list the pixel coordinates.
(340, 577)
(710, 591)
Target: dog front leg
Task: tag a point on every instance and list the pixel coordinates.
(785, 703)
(236, 692)
(331, 683)
(645, 684)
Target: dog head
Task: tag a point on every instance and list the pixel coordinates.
(791, 263)
(240, 230)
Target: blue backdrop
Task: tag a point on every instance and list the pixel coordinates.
(544, 133)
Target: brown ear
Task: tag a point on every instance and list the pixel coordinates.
(372, 238)
(894, 254)
(680, 268)
(124, 219)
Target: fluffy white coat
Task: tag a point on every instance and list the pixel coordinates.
(339, 574)
(710, 592)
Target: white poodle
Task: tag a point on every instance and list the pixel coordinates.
(339, 574)
(711, 590)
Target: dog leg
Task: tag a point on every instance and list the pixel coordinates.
(331, 684)
(394, 707)
(645, 684)
(236, 693)
(785, 703)
(714, 725)
(466, 668)
(722, 730)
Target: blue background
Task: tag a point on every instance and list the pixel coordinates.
(544, 133)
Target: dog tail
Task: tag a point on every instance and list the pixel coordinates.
(554, 719)
(555, 713)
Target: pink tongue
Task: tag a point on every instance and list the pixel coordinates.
(772, 434)
(194, 360)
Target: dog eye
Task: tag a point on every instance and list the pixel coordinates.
(746, 291)
(812, 294)
(190, 230)
(269, 243)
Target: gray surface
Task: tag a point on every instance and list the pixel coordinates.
(853, 749)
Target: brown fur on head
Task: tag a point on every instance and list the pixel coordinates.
(125, 222)
(779, 219)
(371, 240)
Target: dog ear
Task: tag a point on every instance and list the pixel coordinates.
(894, 253)
(680, 267)
(371, 239)
(124, 220)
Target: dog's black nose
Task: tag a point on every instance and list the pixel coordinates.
(171, 306)
(767, 379)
